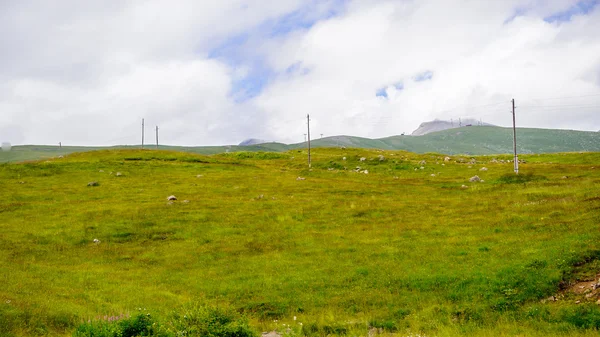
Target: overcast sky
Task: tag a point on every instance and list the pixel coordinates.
(217, 72)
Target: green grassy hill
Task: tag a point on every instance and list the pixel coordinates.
(476, 140)
(410, 247)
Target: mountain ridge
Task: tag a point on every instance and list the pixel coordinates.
(474, 140)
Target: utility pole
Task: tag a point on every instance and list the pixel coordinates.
(516, 159)
(142, 133)
(321, 135)
(304, 137)
(157, 137)
(60, 145)
(459, 122)
(308, 124)
(452, 122)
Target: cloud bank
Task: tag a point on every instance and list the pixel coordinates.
(212, 73)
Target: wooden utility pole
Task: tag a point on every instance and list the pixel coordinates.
(308, 124)
(157, 137)
(516, 159)
(321, 135)
(142, 133)
(60, 145)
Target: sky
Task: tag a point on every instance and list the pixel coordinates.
(219, 72)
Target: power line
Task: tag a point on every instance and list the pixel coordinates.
(564, 97)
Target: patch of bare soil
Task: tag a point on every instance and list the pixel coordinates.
(579, 292)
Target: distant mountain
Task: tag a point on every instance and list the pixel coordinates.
(440, 125)
(473, 140)
(252, 141)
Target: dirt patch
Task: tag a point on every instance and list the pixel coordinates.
(579, 292)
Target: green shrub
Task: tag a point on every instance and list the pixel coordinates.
(200, 320)
(583, 316)
(119, 326)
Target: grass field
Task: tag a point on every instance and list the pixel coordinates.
(476, 140)
(405, 249)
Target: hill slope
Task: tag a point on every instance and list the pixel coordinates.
(474, 140)
(411, 247)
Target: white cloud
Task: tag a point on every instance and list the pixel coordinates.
(84, 73)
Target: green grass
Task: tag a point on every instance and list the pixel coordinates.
(476, 140)
(396, 249)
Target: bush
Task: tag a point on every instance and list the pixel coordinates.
(210, 322)
(140, 325)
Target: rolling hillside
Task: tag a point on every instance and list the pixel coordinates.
(474, 140)
(407, 245)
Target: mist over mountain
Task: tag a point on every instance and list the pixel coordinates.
(440, 125)
(252, 141)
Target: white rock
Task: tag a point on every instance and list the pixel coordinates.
(171, 198)
(363, 158)
(483, 169)
(475, 179)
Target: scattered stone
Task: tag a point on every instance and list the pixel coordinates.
(483, 169)
(447, 159)
(464, 187)
(101, 171)
(300, 178)
(344, 158)
(365, 171)
(565, 177)
(60, 157)
(474, 179)
(443, 164)
(421, 168)
(577, 302)
(472, 161)
(381, 158)
(494, 161)
(433, 174)
(396, 178)
(422, 162)
(199, 176)
(21, 182)
(260, 196)
(186, 201)
(363, 158)
(552, 299)
(171, 198)
(330, 169)
(271, 334)
(96, 241)
(93, 183)
(119, 174)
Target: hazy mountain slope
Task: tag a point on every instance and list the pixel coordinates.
(474, 140)
(440, 125)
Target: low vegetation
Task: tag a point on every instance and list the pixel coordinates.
(397, 243)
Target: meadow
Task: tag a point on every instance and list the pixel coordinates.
(409, 248)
